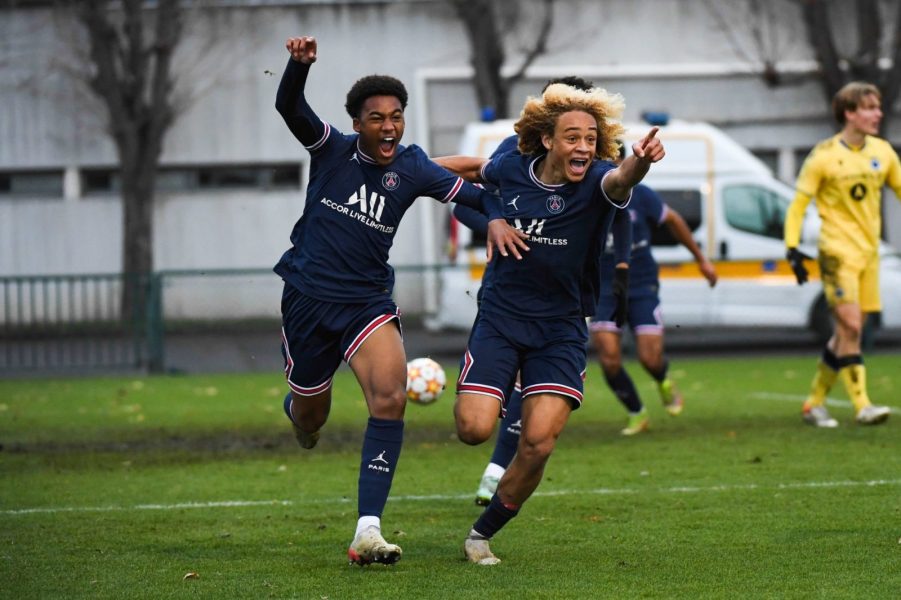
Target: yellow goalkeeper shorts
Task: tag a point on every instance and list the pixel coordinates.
(851, 279)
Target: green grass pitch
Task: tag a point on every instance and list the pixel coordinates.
(122, 487)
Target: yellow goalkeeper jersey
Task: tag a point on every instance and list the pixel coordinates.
(847, 184)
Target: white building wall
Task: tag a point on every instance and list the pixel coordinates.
(670, 55)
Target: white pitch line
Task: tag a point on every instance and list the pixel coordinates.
(800, 399)
(443, 497)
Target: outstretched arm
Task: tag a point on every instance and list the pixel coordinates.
(290, 101)
(679, 228)
(467, 167)
(633, 168)
(472, 218)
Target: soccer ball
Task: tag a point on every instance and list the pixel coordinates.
(425, 380)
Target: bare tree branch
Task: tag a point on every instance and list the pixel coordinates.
(821, 38)
(487, 55)
(540, 46)
(869, 33)
(891, 86)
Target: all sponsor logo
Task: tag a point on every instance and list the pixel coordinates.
(373, 205)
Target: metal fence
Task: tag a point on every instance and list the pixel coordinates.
(77, 322)
(70, 324)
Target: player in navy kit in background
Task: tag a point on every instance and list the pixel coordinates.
(647, 210)
(532, 314)
(338, 282)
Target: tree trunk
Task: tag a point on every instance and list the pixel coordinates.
(864, 64)
(132, 76)
(487, 55)
(138, 173)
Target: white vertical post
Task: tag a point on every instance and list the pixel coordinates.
(427, 229)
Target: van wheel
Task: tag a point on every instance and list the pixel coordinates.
(821, 320)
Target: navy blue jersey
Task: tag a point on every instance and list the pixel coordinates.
(508, 144)
(353, 206)
(646, 211)
(567, 226)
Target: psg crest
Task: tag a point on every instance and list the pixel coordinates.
(555, 204)
(390, 181)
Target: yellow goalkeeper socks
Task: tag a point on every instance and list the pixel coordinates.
(827, 372)
(854, 376)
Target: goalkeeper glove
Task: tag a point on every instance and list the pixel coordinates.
(796, 259)
(620, 294)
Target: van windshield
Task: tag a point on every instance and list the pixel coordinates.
(755, 209)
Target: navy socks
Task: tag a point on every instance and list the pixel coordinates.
(381, 449)
(496, 515)
(625, 391)
(508, 434)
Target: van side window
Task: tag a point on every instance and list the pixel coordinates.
(755, 210)
(685, 202)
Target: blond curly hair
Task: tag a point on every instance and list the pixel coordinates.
(539, 117)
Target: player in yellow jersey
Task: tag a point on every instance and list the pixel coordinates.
(846, 174)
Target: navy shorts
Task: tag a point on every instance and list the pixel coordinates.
(643, 315)
(549, 355)
(318, 335)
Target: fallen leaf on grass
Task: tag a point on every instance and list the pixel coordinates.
(190, 575)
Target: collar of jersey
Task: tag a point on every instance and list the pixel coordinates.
(551, 187)
(852, 148)
(363, 156)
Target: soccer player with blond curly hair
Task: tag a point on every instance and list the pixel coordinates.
(562, 190)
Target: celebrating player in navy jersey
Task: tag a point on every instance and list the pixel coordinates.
(338, 282)
(510, 428)
(531, 318)
(647, 211)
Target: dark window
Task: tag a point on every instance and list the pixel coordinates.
(755, 209)
(99, 181)
(202, 177)
(770, 158)
(800, 156)
(685, 202)
(284, 176)
(32, 183)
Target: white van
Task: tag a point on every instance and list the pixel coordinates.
(735, 209)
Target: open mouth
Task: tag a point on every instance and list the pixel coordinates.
(386, 145)
(578, 166)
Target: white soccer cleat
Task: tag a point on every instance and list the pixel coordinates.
(478, 552)
(873, 415)
(818, 416)
(486, 490)
(370, 547)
